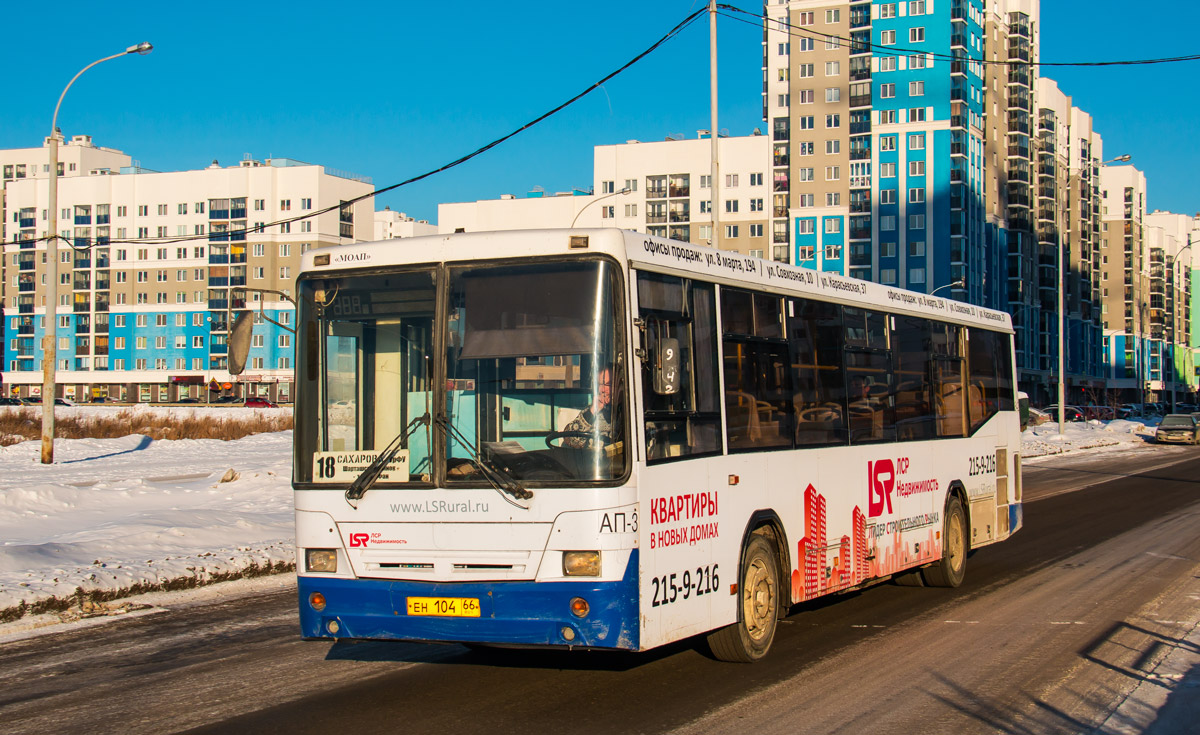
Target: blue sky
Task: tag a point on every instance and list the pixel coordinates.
(391, 90)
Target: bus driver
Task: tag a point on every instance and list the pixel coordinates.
(596, 419)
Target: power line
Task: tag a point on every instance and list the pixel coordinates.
(900, 51)
(679, 28)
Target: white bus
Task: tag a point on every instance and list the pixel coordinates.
(601, 439)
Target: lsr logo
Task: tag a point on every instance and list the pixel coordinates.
(359, 539)
(881, 479)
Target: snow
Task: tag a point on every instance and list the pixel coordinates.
(117, 516)
(1045, 439)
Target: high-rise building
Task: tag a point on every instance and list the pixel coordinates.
(390, 225)
(878, 140)
(1176, 234)
(1067, 210)
(1126, 268)
(147, 290)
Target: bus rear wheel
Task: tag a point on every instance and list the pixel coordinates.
(951, 569)
(750, 637)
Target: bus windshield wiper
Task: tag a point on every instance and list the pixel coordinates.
(367, 477)
(496, 476)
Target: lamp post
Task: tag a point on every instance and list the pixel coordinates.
(953, 284)
(626, 190)
(49, 341)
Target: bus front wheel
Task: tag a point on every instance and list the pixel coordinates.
(950, 570)
(750, 637)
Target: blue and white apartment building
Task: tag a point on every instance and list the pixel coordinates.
(148, 291)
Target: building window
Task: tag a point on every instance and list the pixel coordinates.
(916, 168)
(887, 170)
(887, 142)
(833, 225)
(916, 7)
(782, 101)
(833, 94)
(887, 91)
(887, 63)
(916, 114)
(833, 199)
(887, 38)
(887, 196)
(631, 184)
(807, 122)
(607, 187)
(630, 210)
(887, 10)
(806, 70)
(916, 61)
(756, 205)
(916, 248)
(916, 35)
(731, 181)
(756, 231)
(804, 201)
(805, 174)
(806, 227)
(805, 147)
(731, 205)
(306, 203)
(833, 16)
(887, 276)
(916, 89)
(833, 121)
(833, 68)
(916, 196)
(756, 179)
(916, 221)
(887, 223)
(887, 249)
(806, 44)
(916, 142)
(731, 231)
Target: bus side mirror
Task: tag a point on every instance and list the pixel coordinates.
(666, 367)
(1023, 408)
(239, 342)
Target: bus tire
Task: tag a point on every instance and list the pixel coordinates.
(950, 570)
(750, 637)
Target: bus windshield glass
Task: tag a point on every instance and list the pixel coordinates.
(365, 376)
(533, 383)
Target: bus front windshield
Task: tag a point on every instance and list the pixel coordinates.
(533, 388)
(532, 375)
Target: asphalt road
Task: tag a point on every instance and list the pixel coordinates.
(1049, 633)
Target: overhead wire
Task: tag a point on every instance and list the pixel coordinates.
(803, 32)
(168, 240)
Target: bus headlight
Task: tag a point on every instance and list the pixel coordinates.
(581, 564)
(320, 560)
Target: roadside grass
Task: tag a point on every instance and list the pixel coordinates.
(26, 424)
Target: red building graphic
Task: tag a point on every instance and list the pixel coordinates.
(860, 546)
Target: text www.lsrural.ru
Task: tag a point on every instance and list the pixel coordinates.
(440, 506)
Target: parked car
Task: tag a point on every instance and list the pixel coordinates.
(260, 403)
(1102, 413)
(1178, 428)
(1070, 413)
(63, 402)
(7, 401)
(227, 399)
(188, 400)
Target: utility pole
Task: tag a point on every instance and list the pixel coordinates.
(715, 205)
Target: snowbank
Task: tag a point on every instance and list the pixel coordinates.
(1044, 439)
(114, 517)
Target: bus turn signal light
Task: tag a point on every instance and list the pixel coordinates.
(317, 601)
(579, 607)
(581, 563)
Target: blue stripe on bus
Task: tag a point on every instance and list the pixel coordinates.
(1016, 517)
(519, 613)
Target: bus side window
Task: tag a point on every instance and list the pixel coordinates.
(758, 385)
(989, 364)
(869, 399)
(685, 423)
(814, 333)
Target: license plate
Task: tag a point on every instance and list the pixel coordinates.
(451, 607)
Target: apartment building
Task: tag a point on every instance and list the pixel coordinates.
(1176, 234)
(148, 289)
(1068, 227)
(78, 156)
(1126, 275)
(390, 225)
(661, 188)
(878, 141)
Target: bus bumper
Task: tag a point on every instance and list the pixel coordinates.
(511, 613)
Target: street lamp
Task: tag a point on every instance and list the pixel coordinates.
(953, 284)
(50, 340)
(626, 190)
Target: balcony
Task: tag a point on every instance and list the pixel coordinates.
(221, 281)
(860, 100)
(780, 237)
(25, 326)
(25, 307)
(856, 75)
(83, 307)
(860, 207)
(656, 192)
(782, 159)
(779, 212)
(860, 128)
(860, 233)
(958, 121)
(679, 191)
(1018, 151)
(26, 285)
(83, 219)
(958, 149)
(1018, 54)
(101, 327)
(25, 223)
(82, 284)
(655, 219)
(218, 214)
(102, 219)
(958, 67)
(958, 40)
(860, 155)
(101, 303)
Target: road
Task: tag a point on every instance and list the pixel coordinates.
(1050, 632)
